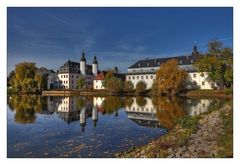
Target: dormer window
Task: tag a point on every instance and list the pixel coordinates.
(139, 65)
(180, 61)
(191, 61)
(158, 63)
(147, 64)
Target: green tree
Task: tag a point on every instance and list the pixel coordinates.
(218, 63)
(41, 82)
(128, 86)
(215, 47)
(170, 78)
(111, 83)
(80, 83)
(10, 78)
(114, 84)
(23, 79)
(141, 87)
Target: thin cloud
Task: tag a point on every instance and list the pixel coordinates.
(61, 20)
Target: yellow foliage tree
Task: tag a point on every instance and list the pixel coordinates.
(170, 78)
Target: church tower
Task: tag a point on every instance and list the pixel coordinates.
(195, 51)
(95, 66)
(83, 64)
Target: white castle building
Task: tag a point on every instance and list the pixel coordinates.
(145, 70)
(70, 72)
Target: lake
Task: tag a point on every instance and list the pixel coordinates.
(91, 126)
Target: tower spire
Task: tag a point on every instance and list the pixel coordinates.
(195, 50)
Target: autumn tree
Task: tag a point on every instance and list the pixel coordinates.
(128, 86)
(141, 87)
(218, 63)
(170, 78)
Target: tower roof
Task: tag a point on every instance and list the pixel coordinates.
(83, 57)
(95, 60)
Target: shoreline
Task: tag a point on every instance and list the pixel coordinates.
(191, 94)
(201, 137)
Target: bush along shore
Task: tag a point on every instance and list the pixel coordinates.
(206, 135)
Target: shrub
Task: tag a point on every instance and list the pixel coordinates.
(128, 86)
(141, 87)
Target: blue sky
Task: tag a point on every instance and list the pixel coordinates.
(117, 36)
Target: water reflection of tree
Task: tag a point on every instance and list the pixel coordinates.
(112, 104)
(128, 101)
(80, 102)
(141, 101)
(26, 106)
(168, 110)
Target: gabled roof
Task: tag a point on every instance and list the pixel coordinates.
(70, 67)
(182, 60)
(100, 76)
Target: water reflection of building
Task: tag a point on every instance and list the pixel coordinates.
(196, 107)
(97, 102)
(77, 108)
(144, 115)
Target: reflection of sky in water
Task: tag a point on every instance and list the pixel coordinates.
(51, 136)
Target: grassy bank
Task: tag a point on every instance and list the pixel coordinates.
(207, 135)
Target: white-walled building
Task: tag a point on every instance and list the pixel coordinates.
(145, 70)
(70, 72)
(98, 81)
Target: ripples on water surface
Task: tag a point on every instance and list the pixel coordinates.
(90, 126)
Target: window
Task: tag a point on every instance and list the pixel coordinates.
(77, 76)
(129, 77)
(61, 76)
(148, 64)
(146, 77)
(72, 76)
(180, 61)
(151, 77)
(133, 77)
(203, 83)
(66, 82)
(72, 81)
(194, 75)
(96, 87)
(142, 77)
(137, 77)
(64, 76)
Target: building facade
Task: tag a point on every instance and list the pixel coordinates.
(70, 72)
(145, 70)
